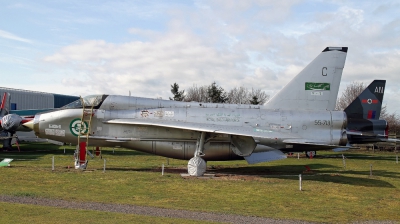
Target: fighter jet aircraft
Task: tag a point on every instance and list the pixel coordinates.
(10, 123)
(299, 118)
(364, 125)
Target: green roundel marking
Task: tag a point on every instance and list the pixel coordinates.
(75, 127)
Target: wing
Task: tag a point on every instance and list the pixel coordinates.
(224, 129)
(213, 128)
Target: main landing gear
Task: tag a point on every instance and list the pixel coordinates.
(197, 165)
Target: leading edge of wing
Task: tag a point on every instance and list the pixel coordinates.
(213, 128)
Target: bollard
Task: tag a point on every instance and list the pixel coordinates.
(113, 150)
(298, 155)
(52, 164)
(370, 170)
(344, 162)
(104, 167)
(162, 170)
(300, 182)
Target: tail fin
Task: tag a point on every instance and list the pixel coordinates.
(316, 87)
(368, 104)
(5, 104)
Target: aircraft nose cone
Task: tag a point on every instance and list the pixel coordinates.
(29, 124)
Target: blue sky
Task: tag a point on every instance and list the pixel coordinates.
(89, 47)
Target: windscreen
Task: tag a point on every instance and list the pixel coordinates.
(88, 101)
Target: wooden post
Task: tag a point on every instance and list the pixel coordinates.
(370, 170)
(52, 164)
(344, 162)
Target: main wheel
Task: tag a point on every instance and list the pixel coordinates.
(197, 166)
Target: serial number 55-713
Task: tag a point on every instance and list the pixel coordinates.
(322, 122)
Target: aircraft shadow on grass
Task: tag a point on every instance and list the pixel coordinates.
(329, 174)
(291, 172)
(378, 157)
(319, 171)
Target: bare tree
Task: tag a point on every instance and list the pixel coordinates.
(238, 95)
(197, 94)
(258, 96)
(393, 122)
(351, 92)
(215, 93)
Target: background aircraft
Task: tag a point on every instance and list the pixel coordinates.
(10, 123)
(299, 118)
(364, 125)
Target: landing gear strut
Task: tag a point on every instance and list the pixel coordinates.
(196, 165)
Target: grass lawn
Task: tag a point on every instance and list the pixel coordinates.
(331, 193)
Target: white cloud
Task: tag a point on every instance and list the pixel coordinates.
(259, 44)
(11, 36)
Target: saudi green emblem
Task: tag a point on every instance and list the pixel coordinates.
(318, 86)
(75, 127)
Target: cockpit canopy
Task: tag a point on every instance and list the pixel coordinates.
(87, 101)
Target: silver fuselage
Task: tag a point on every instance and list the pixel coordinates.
(325, 127)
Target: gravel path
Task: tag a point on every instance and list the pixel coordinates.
(142, 210)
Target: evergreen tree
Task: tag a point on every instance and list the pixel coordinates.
(254, 100)
(216, 94)
(178, 95)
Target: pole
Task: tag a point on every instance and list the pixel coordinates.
(52, 163)
(300, 182)
(370, 170)
(104, 167)
(64, 150)
(298, 155)
(344, 161)
(397, 159)
(162, 170)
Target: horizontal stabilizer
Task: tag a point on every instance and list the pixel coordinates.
(360, 133)
(308, 143)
